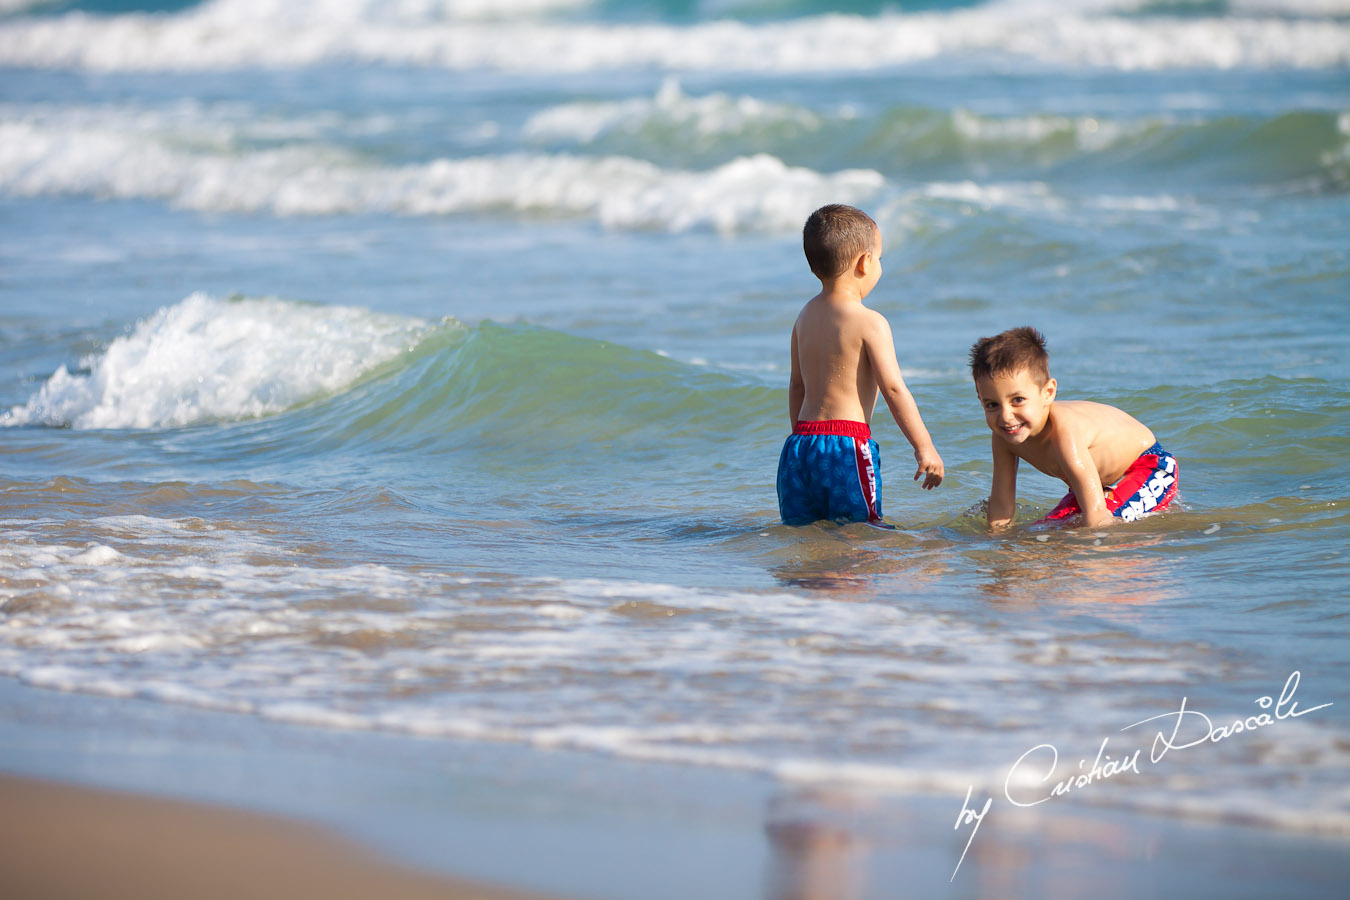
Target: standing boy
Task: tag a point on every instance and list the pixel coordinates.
(842, 357)
(1087, 445)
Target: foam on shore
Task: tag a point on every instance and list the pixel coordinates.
(639, 670)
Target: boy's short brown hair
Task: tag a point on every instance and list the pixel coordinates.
(834, 236)
(1012, 351)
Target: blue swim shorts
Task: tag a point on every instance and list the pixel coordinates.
(830, 470)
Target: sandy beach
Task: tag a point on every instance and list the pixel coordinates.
(119, 798)
(62, 842)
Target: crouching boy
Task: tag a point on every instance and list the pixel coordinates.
(1112, 463)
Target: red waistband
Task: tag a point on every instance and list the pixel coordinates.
(841, 427)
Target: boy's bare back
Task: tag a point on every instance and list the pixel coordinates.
(830, 349)
(843, 358)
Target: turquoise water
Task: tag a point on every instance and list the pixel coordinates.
(421, 369)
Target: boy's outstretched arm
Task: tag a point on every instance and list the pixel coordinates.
(1081, 474)
(796, 385)
(880, 347)
(1003, 495)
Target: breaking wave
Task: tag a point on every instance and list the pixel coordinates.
(230, 34)
(207, 360)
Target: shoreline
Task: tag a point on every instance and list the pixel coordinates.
(413, 817)
(65, 842)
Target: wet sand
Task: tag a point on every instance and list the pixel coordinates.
(62, 842)
(84, 814)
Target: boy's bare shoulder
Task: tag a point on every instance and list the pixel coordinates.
(1079, 409)
(1091, 415)
(863, 318)
(1112, 437)
(854, 315)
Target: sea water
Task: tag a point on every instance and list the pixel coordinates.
(420, 367)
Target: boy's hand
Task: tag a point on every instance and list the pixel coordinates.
(930, 465)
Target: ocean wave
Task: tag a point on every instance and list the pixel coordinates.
(676, 124)
(193, 124)
(409, 12)
(670, 115)
(671, 162)
(753, 193)
(207, 360)
(422, 12)
(1304, 148)
(920, 142)
(1292, 8)
(243, 33)
(551, 389)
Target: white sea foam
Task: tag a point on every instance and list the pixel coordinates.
(706, 116)
(1293, 7)
(249, 33)
(1090, 134)
(202, 126)
(97, 555)
(754, 193)
(205, 360)
(1308, 8)
(192, 155)
(435, 10)
(410, 12)
(219, 616)
(1031, 195)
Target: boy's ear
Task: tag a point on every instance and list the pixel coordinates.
(860, 267)
(1050, 389)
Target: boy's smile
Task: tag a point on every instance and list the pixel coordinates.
(1015, 406)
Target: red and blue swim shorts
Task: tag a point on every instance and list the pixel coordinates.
(830, 469)
(1147, 486)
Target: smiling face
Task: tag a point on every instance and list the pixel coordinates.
(1015, 406)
